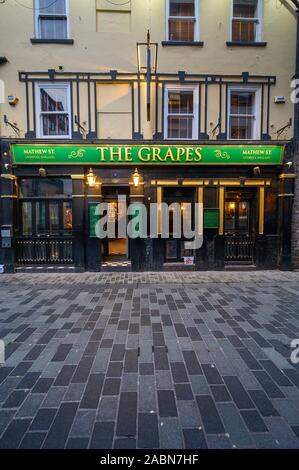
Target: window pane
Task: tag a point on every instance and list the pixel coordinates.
(40, 218)
(180, 102)
(182, 30)
(67, 216)
(244, 31)
(230, 216)
(242, 102)
(180, 127)
(54, 218)
(26, 218)
(46, 187)
(53, 28)
(181, 8)
(55, 124)
(51, 7)
(245, 8)
(241, 128)
(244, 216)
(53, 99)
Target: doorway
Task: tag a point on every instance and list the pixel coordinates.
(177, 248)
(116, 249)
(240, 222)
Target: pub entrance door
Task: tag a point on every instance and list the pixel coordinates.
(116, 249)
(177, 248)
(240, 221)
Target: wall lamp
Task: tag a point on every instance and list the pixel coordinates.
(92, 181)
(136, 178)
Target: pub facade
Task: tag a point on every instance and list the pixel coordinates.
(201, 117)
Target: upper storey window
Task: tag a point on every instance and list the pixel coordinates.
(182, 20)
(246, 21)
(53, 110)
(51, 19)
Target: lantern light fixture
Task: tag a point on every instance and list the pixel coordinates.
(91, 178)
(136, 178)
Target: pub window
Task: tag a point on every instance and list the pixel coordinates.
(46, 206)
(243, 114)
(181, 113)
(182, 20)
(246, 20)
(53, 110)
(51, 19)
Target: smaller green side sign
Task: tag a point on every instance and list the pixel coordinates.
(211, 218)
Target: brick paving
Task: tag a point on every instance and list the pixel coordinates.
(155, 360)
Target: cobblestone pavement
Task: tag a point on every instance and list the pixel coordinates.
(156, 360)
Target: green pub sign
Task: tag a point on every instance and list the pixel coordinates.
(196, 155)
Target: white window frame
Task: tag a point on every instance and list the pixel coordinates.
(258, 21)
(36, 21)
(256, 134)
(195, 89)
(196, 21)
(39, 112)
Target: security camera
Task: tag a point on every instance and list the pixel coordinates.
(256, 171)
(42, 172)
(288, 165)
(12, 100)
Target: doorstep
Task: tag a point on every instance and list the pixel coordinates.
(240, 267)
(48, 269)
(170, 267)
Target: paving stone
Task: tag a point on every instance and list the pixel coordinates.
(183, 392)
(125, 443)
(14, 433)
(188, 414)
(254, 421)
(43, 419)
(147, 394)
(171, 436)
(107, 410)
(59, 431)
(65, 375)
(220, 393)
(194, 439)
(90, 399)
(212, 375)
(127, 414)
(238, 392)
(209, 415)
(146, 368)
(192, 363)
(111, 387)
(102, 436)
(166, 403)
(77, 443)
(148, 431)
(33, 440)
(15, 399)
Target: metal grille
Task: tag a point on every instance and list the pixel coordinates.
(239, 248)
(45, 251)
